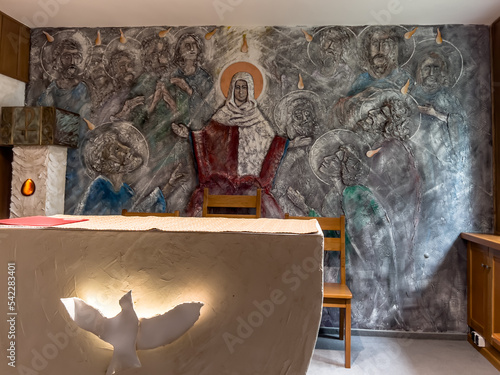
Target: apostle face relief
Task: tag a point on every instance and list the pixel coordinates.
(431, 73)
(331, 47)
(70, 57)
(383, 52)
(302, 120)
(123, 68)
(188, 49)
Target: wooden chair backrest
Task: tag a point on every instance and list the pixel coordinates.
(128, 213)
(330, 243)
(231, 201)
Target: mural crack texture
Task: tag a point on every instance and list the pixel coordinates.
(387, 125)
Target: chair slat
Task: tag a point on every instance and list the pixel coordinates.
(233, 216)
(231, 201)
(329, 223)
(332, 244)
(160, 214)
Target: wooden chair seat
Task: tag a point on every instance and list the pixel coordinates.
(334, 290)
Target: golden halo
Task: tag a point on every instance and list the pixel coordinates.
(242, 66)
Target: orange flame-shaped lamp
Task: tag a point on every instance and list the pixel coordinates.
(28, 187)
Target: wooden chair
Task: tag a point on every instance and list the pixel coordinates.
(127, 213)
(336, 294)
(231, 201)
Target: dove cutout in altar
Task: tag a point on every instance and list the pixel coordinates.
(127, 333)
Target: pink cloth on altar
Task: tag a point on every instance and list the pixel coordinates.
(39, 221)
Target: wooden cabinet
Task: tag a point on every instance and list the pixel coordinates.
(495, 294)
(14, 48)
(478, 287)
(483, 292)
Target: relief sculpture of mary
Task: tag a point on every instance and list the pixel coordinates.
(238, 151)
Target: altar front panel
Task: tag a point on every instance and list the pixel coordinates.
(262, 295)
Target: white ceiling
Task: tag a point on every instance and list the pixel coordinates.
(101, 13)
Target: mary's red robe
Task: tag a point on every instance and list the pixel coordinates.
(216, 152)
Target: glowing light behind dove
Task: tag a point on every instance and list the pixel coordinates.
(127, 333)
(69, 303)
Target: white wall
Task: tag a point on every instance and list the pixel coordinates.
(11, 92)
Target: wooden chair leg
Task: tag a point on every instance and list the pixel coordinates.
(341, 323)
(348, 335)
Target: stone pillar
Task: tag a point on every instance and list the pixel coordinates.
(46, 166)
(40, 136)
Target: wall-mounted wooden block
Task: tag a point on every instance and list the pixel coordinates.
(14, 48)
(38, 126)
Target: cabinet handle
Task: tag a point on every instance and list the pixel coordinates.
(485, 266)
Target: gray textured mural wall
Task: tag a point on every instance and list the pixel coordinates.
(389, 126)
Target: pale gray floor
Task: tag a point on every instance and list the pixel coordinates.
(387, 355)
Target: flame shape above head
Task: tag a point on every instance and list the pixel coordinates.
(439, 38)
(98, 40)
(209, 35)
(409, 34)
(89, 124)
(163, 33)
(404, 89)
(123, 40)
(308, 36)
(300, 85)
(49, 37)
(244, 46)
(370, 153)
